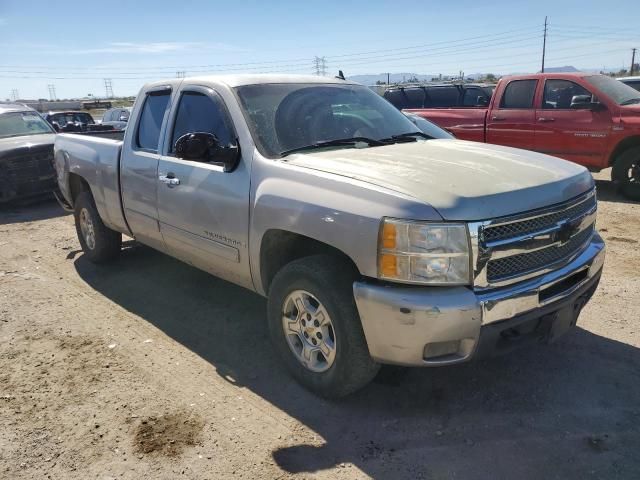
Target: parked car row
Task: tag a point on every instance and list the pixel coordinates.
(373, 241)
(592, 120)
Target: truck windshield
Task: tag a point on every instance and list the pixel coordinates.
(286, 117)
(16, 124)
(616, 90)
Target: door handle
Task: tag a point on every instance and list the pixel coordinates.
(169, 180)
(546, 119)
(496, 118)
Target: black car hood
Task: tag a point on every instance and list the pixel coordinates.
(12, 144)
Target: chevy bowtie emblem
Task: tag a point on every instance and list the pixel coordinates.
(566, 231)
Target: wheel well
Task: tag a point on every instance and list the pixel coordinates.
(624, 145)
(280, 247)
(77, 185)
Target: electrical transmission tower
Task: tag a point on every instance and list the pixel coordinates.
(108, 88)
(15, 95)
(52, 91)
(180, 74)
(320, 65)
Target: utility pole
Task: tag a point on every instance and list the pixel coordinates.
(108, 88)
(633, 61)
(181, 74)
(15, 95)
(388, 77)
(320, 64)
(544, 42)
(52, 91)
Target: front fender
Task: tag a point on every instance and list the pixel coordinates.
(335, 210)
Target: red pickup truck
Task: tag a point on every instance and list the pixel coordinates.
(593, 120)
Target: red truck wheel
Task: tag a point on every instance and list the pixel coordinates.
(626, 173)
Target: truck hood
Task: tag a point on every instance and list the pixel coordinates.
(26, 141)
(461, 180)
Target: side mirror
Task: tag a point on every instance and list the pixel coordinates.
(205, 147)
(585, 102)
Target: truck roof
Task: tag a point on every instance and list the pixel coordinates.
(251, 79)
(551, 74)
(14, 107)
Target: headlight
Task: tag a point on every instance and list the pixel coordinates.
(424, 252)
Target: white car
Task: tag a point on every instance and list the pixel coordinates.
(633, 82)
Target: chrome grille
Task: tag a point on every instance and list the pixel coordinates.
(508, 250)
(526, 262)
(531, 225)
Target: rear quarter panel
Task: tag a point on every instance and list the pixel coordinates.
(96, 160)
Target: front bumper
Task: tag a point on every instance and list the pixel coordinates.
(431, 326)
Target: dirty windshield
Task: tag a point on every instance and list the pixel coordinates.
(16, 124)
(285, 117)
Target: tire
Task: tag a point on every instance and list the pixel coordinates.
(104, 244)
(328, 281)
(626, 173)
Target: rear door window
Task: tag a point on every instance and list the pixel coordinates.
(155, 106)
(443, 97)
(519, 94)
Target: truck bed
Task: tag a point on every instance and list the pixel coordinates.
(97, 160)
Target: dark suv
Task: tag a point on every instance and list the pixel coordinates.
(26, 153)
(74, 122)
(439, 96)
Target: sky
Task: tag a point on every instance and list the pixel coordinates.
(74, 46)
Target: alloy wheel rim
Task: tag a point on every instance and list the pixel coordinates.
(309, 331)
(86, 227)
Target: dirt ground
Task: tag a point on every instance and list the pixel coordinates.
(148, 368)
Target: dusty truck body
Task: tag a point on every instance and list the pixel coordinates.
(374, 243)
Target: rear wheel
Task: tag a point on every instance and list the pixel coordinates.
(99, 243)
(626, 173)
(315, 326)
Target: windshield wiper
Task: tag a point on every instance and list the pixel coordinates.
(336, 143)
(410, 136)
(631, 101)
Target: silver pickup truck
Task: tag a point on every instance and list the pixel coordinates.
(374, 242)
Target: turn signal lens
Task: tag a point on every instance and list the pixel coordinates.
(389, 265)
(389, 234)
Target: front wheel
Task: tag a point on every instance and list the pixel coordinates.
(99, 243)
(626, 173)
(315, 326)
